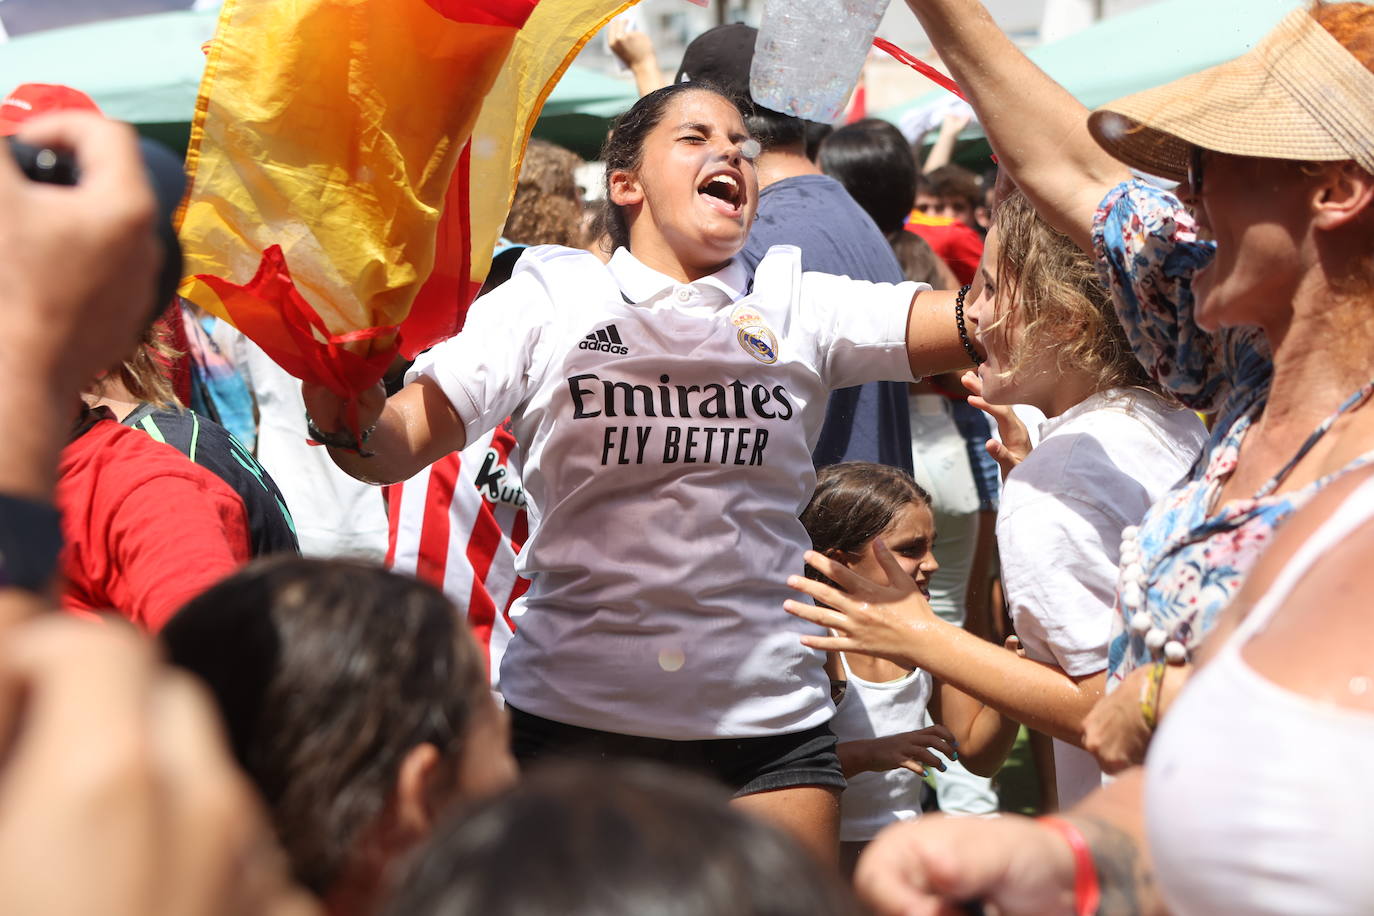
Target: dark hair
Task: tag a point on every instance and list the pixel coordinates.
(327, 673)
(623, 150)
(952, 181)
(873, 162)
(773, 129)
(854, 502)
(622, 839)
(816, 132)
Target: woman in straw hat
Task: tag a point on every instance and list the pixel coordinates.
(1247, 294)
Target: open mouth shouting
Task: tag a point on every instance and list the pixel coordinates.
(724, 192)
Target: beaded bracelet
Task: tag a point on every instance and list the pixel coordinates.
(963, 331)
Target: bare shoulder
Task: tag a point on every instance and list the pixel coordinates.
(1317, 643)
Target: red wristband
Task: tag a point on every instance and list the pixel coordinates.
(1087, 894)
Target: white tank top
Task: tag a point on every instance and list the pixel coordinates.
(1259, 800)
(876, 710)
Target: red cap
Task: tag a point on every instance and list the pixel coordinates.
(32, 99)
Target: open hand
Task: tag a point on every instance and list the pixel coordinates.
(884, 619)
(912, 751)
(1015, 442)
(927, 867)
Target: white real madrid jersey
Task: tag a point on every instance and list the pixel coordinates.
(665, 432)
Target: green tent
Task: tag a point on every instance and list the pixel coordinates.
(1146, 47)
(146, 70)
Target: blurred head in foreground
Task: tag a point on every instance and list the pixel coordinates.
(614, 840)
(356, 700)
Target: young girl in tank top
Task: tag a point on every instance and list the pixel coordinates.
(880, 704)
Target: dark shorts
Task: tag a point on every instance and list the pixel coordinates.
(746, 765)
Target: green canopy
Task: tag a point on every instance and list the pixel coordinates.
(146, 70)
(1143, 48)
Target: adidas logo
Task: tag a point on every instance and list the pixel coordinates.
(604, 340)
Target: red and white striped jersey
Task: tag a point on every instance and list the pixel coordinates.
(459, 524)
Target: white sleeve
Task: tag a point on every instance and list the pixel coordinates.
(1059, 574)
(497, 360)
(860, 328)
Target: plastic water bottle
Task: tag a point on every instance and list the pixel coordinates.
(809, 54)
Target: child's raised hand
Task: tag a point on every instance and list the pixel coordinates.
(884, 619)
(1015, 443)
(912, 751)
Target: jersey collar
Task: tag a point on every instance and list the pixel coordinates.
(640, 283)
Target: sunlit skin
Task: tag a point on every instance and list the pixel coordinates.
(675, 228)
(997, 326)
(1259, 213)
(911, 539)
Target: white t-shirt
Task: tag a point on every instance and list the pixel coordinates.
(665, 432)
(335, 515)
(876, 710)
(1098, 467)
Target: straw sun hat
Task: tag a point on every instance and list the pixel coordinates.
(1297, 95)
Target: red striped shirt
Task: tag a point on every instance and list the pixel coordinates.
(459, 524)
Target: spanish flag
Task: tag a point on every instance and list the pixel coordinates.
(352, 163)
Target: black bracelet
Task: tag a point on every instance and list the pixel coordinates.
(343, 439)
(963, 331)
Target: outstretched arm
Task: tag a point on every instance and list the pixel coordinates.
(895, 622)
(1039, 131)
(933, 344)
(1024, 868)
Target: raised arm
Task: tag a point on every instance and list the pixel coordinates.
(893, 621)
(1039, 131)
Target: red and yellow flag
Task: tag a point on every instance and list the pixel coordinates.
(352, 162)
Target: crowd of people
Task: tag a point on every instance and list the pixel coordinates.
(766, 505)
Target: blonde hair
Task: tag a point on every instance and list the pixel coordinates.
(1054, 288)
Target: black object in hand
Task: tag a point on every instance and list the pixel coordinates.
(168, 180)
(42, 163)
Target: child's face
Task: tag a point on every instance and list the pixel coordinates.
(997, 324)
(695, 189)
(911, 539)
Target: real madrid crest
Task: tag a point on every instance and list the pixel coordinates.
(759, 342)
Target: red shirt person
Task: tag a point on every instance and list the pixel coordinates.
(146, 528)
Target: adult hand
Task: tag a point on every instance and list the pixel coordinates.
(1015, 443)
(633, 47)
(910, 751)
(117, 794)
(1115, 732)
(330, 412)
(78, 263)
(887, 619)
(928, 867)
(77, 269)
